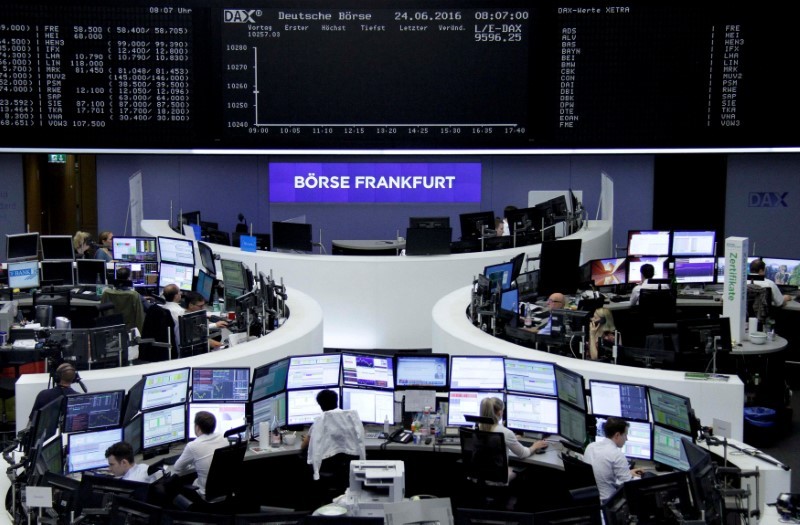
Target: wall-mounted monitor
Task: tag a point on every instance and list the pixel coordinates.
(477, 373)
(291, 236)
(178, 251)
(422, 371)
(474, 224)
(623, 400)
(530, 377)
(648, 243)
(635, 268)
(23, 275)
(22, 247)
(220, 384)
(373, 371)
(640, 438)
(57, 248)
(373, 405)
(169, 273)
(693, 243)
(91, 272)
(499, 275)
(164, 426)
(697, 270)
(608, 272)
(93, 411)
(269, 379)
(134, 249)
(57, 272)
(265, 408)
(461, 403)
(87, 450)
(228, 416)
(527, 413)
(302, 407)
(313, 371)
(165, 388)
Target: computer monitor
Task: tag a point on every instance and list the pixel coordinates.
(165, 388)
(364, 370)
(640, 438)
(23, 275)
(132, 433)
(22, 247)
(163, 426)
(110, 343)
(782, 271)
(648, 243)
(269, 379)
(704, 335)
(47, 421)
(57, 248)
(93, 411)
(668, 448)
(528, 413)
(671, 410)
(310, 371)
(207, 258)
(509, 303)
(373, 405)
(524, 219)
(429, 222)
(178, 251)
(698, 270)
(228, 415)
(87, 450)
(528, 284)
(530, 377)
(141, 273)
(575, 515)
(191, 217)
(263, 241)
(474, 224)
(428, 241)
(693, 243)
(169, 273)
(234, 274)
(558, 266)
(499, 275)
(91, 272)
(635, 268)
(51, 456)
(220, 384)
(291, 236)
(134, 249)
(57, 271)
(608, 272)
(646, 497)
(619, 399)
(302, 407)
(570, 387)
(193, 329)
(243, 305)
(477, 372)
(461, 403)
(572, 424)
(265, 408)
(703, 482)
(721, 267)
(428, 372)
(96, 491)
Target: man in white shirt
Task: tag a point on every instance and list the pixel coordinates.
(173, 295)
(197, 454)
(556, 301)
(608, 462)
(758, 267)
(647, 271)
(122, 464)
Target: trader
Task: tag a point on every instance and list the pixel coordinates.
(197, 455)
(122, 464)
(607, 459)
(63, 377)
(647, 271)
(106, 243)
(556, 301)
(758, 267)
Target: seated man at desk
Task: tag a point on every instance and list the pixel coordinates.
(173, 295)
(647, 271)
(607, 459)
(556, 301)
(758, 267)
(131, 309)
(493, 407)
(122, 464)
(197, 454)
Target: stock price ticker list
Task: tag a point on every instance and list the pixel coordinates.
(90, 72)
(408, 76)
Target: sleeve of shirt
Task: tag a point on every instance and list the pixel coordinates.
(622, 472)
(513, 444)
(185, 463)
(777, 295)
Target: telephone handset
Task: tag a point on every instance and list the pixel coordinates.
(401, 435)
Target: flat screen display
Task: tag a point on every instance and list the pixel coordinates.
(302, 407)
(233, 274)
(694, 270)
(22, 247)
(205, 285)
(23, 275)
(61, 271)
(372, 405)
(291, 236)
(474, 224)
(93, 411)
(429, 371)
(570, 387)
(640, 439)
(207, 258)
(132, 433)
(165, 388)
(134, 249)
(670, 409)
(141, 273)
(309, 371)
(608, 272)
(642, 243)
(530, 377)
(461, 403)
(782, 271)
(57, 248)
(509, 301)
(619, 399)
(265, 408)
(269, 379)
(532, 413)
(428, 241)
(179, 274)
(477, 373)
(688, 243)
(367, 370)
(87, 451)
(220, 384)
(572, 424)
(178, 251)
(164, 426)
(91, 272)
(499, 275)
(668, 448)
(635, 268)
(228, 416)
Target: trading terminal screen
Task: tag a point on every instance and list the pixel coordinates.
(302, 407)
(269, 379)
(164, 426)
(531, 377)
(367, 370)
(265, 408)
(668, 448)
(87, 451)
(697, 243)
(134, 249)
(422, 371)
(694, 270)
(313, 371)
(373, 406)
(477, 373)
(93, 411)
(569, 386)
(165, 388)
(228, 415)
(179, 274)
(178, 251)
(619, 399)
(220, 384)
(572, 424)
(532, 413)
(648, 243)
(461, 403)
(670, 409)
(640, 437)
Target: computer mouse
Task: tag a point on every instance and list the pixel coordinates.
(540, 450)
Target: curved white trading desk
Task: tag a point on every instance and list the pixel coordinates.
(300, 334)
(384, 302)
(454, 334)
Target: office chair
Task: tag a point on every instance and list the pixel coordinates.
(158, 335)
(44, 315)
(657, 305)
(485, 465)
(224, 479)
(59, 299)
(127, 303)
(581, 483)
(759, 302)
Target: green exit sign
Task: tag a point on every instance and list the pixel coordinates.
(57, 158)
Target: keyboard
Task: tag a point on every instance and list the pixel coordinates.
(692, 296)
(216, 318)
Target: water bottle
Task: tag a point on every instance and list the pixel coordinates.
(426, 422)
(98, 286)
(275, 432)
(386, 425)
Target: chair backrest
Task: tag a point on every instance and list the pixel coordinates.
(127, 303)
(484, 455)
(657, 304)
(59, 299)
(225, 470)
(759, 300)
(579, 474)
(44, 314)
(158, 322)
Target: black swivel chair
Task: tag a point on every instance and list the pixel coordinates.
(581, 482)
(485, 464)
(222, 483)
(158, 335)
(59, 299)
(759, 302)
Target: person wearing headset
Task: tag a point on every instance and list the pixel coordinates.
(64, 376)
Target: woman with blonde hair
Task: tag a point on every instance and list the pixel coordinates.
(493, 407)
(601, 331)
(82, 243)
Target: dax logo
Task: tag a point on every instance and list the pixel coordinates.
(767, 199)
(240, 16)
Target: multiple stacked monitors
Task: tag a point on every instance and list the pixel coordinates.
(93, 411)
(531, 377)
(57, 248)
(134, 249)
(291, 236)
(313, 371)
(367, 371)
(477, 373)
(423, 371)
(220, 384)
(87, 450)
(165, 388)
(91, 272)
(22, 247)
(23, 275)
(620, 400)
(178, 251)
(678, 243)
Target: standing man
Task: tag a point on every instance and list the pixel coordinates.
(64, 377)
(608, 462)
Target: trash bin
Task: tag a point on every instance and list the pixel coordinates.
(760, 426)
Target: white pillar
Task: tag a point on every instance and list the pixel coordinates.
(734, 304)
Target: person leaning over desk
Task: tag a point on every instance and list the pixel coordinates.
(493, 407)
(104, 251)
